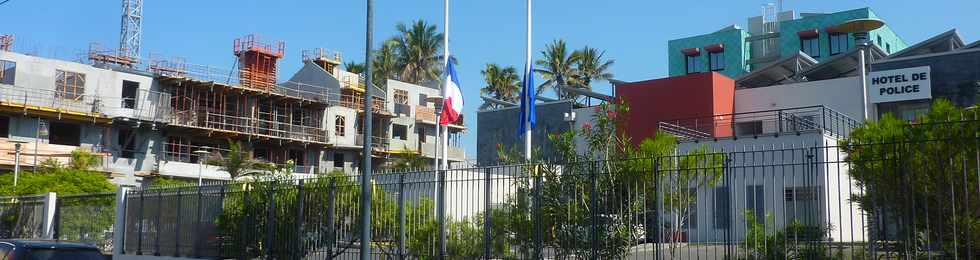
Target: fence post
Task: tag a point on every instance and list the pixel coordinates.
(536, 213)
(594, 208)
(270, 222)
(197, 226)
(441, 212)
(56, 227)
(300, 201)
(177, 224)
(119, 226)
(331, 195)
(156, 223)
(658, 234)
(401, 216)
(487, 239)
(139, 229)
(50, 206)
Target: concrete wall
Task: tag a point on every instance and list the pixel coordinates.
(842, 95)
(500, 127)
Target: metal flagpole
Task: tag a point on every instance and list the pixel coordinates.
(366, 152)
(441, 182)
(445, 62)
(528, 96)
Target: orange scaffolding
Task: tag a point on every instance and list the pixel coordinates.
(258, 61)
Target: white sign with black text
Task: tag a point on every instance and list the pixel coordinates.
(900, 85)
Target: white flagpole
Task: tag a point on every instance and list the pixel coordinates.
(529, 96)
(445, 62)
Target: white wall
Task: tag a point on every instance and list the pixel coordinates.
(842, 95)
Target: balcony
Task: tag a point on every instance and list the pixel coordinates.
(176, 70)
(428, 115)
(355, 101)
(378, 144)
(770, 122)
(249, 126)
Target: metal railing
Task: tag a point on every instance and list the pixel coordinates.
(377, 142)
(249, 125)
(356, 101)
(240, 78)
(780, 121)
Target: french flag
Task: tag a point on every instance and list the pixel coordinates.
(452, 104)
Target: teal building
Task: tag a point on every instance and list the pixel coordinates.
(734, 51)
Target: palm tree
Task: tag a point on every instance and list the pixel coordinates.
(418, 52)
(556, 67)
(385, 65)
(502, 83)
(591, 67)
(354, 67)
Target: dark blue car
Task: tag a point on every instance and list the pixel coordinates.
(47, 250)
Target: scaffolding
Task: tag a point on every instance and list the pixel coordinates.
(99, 55)
(258, 61)
(6, 42)
(326, 59)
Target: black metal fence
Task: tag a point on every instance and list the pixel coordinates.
(884, 200)
(21, 216)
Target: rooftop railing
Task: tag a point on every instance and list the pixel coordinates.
(780, 121)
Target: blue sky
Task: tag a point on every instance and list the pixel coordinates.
(634, 33)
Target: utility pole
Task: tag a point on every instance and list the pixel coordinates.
(366, 158)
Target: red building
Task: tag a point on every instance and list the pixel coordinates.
(696, 97)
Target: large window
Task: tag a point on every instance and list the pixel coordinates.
(693, 63)
(838, 43)
(401, 102)
(338, 160)
(810, 46)
(7, 72)
(716, 60)
(127, 143)
(129, 91)
(340, 125)
(69, 85)
(64, 133)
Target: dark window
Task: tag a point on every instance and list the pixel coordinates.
(69, 85)
(810, 46)
(64, 133)
(261, 154)
(297, 117)
(127, 143)
(838, 43)
(340, 125)
(748, 128)
(693, 63)
(422, 100)
(722, 208)
(888, 48)
(4, 126)
(7, 72)
(716, 60)
(399, 132)
(297, 157)
(755, 201)
(421, 131)
(129, 90)
(879, 41)
(800, 204)
(338, 160)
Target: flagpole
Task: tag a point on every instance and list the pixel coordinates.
(445, 62)
(528, 96)
(441, 193)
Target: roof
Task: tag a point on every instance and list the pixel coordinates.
(587, 93)
(842, 65)
(783, 71)
(48, 244)
(975, 44)
(944, 42)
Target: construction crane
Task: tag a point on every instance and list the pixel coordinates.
(132, 29)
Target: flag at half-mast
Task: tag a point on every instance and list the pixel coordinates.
(452, 103)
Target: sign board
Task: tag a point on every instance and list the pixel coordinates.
(900, 85)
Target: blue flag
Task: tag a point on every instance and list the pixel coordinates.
(527, 101)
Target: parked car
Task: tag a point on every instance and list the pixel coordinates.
(47, 250)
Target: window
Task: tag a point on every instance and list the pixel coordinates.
(64, 133)
(340, 125)
(755, 201)
(801, 204)
(4, 126)
(693, 63)
(810, 46)
(298, 157)
(888, 48)
(421, 132)
(127, 143)
(7, 72)
(879, 41)
(423, 100)
(748, 128)
(399, 132)
(338, 160)
(838, 43)
(129, 89)
(69, 85)
(722, 208)
(716, 60)
(401, 96)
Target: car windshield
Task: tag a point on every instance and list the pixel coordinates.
(63, 254)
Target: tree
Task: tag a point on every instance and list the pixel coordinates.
(557, 68)
(418, 51)
(591, 67)
(412, 161)
(77, 178)
(238, 162)
(911, 170)
(501, 83)
(385, 65)
(354, 67)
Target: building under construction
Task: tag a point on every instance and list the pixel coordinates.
(167, 116)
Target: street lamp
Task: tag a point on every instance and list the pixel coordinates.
(860, 29)
(202, 156)
(17, 145)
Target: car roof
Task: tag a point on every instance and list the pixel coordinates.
(47, 244)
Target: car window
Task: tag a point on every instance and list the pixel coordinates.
(64, 254)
